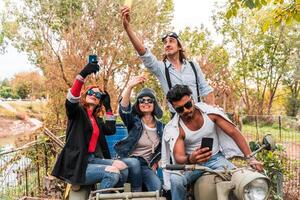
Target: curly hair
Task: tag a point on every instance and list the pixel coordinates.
(177, 92)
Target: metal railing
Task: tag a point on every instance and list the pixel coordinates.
(23, 170)
(286, 131)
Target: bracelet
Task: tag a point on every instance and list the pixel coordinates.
(188, 159)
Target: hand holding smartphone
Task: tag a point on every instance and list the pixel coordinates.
(207, 142)
(93, 59)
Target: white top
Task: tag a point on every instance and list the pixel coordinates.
(193, 139)
(171, 132)
(147, 144)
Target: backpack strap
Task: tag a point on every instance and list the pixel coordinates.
(167, 75)
(196, 78)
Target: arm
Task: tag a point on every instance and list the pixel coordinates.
(197, 156)
(137, 44)
(73, 95)
(149, 60)
(125, 107)
(236, 135)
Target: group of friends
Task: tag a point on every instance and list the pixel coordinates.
(85, 158)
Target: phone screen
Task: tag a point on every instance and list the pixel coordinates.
(93, 59)
(207, 142)
(128, 3)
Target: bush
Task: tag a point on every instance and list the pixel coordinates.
(275, 165)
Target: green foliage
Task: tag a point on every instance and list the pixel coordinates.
(275, 165)
(24, 90)
(279, 11)
(6, 92)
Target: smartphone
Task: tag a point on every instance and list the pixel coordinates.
(207, 142)
(93, 59)
(128, 3)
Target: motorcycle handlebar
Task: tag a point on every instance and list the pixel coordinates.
(175, 167)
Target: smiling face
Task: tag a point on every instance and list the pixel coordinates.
(171, 46)
(93, 97)
(184, 107)
(146, 104)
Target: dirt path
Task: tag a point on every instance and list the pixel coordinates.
(13, 130)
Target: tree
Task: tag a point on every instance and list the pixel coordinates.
(260, 58)
(59, 35)
(279, 11)
(213, 60)
(29, 85)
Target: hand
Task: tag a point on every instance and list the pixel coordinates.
(89, 69)
(125, 12)
(256, 164)
(136, 80)
(200, 156)
(106, 102)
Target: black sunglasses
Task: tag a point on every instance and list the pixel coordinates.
(187, 105)
(141, 100)
(170, 34)
(91, 92)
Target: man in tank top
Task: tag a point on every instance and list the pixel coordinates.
(183, 135)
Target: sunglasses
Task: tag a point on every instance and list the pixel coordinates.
(146, 100)
(187, 105)
(170, 34)
(91, 92)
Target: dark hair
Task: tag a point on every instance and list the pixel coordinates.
(181, 52)
(177, 92)
(97, 111)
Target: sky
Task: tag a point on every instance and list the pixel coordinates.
(190, 13)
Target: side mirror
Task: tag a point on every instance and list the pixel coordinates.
(269, 142)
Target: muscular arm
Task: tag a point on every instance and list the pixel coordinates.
(233, 132)
(179, 149)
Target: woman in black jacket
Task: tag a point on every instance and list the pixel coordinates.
(85, 158)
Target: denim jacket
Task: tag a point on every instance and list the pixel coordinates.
(134, 126)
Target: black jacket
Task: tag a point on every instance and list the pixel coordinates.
(72, 162)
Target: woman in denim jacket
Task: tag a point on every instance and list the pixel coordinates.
(141, 149)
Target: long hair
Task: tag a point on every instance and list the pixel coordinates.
(97, 111)
(181, 53)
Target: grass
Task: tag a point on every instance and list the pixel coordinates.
(31, 108)
(286, 135)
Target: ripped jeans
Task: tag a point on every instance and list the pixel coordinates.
(97, 171)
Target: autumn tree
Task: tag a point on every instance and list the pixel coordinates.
(213, 60)
(29, 85)
(59, 35)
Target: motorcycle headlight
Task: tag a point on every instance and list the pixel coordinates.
(257, 189)
(250, 185)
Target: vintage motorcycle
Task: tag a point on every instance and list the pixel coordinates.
(238, 184)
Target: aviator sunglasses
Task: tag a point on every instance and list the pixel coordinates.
(142, 100)
(91, 92)
(170, 34)
(187, 105)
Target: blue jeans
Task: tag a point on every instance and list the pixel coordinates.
(95, 173)
(140, 173)
(179, 182)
